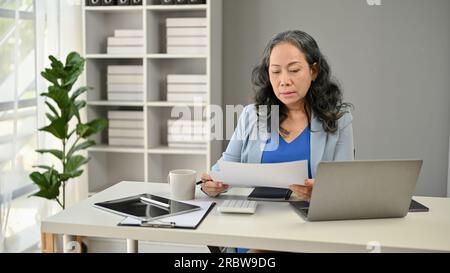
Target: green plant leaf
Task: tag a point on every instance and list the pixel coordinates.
(81, 146)
(56, 64)
(50, 117)
(74, 68)
(74, 60)
(39, 179)
(90, 128)
(58, 128)
(67, 176)
(75, 162)
(82, 130)
(48, 183)
(98, 125)
(46, 194)
(59, 95)
(50, 76)
(57, 69)
(52, 109)
(80, 104)
(75, 109)
(71, 111)
(57, 153)
(71, 79)
(79, 91)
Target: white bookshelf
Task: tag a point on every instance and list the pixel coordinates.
(176, 7)
(176, 56)
(115, 103)
(116, 149)
(153, 161)
(115, 56)
(173, 104)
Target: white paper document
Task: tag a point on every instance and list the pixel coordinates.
(185, 220)
(279, 175)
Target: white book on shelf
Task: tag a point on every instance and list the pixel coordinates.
(129, 33)
(125, 50)
(187, 49)
(187, 145)
(132, 133)
(133, 79)
(125, 87)
(188, 138)
(186, 78)
(187, 130)
(187, 22)
(187, 41)
(186, 31)
(125, 41)
(197, 88)
(128, 142)
(125, 96)
(179, 122)
(126, 124)
(125, 69)
(186, 97)
(126, 115)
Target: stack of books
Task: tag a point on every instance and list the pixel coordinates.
(182, 2)
(126, 41)
(125, 83)
(186, 88)
(126, 128)
(113, 2)
(187, 134)
(187, 35)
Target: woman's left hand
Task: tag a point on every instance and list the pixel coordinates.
(303, 191)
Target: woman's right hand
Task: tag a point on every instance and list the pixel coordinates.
(212, 188)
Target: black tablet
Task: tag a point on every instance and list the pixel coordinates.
(146, 207)
(270, 194)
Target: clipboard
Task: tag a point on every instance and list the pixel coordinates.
(190, 220)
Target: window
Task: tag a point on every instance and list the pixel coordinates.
(30, 30)
(18, 123)
(18, 120)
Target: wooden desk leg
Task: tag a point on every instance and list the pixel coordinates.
(83, 248)
(132, 246)
(47, 243)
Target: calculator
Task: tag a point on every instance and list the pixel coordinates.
(238, 206)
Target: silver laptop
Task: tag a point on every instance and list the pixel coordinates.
(361, 190)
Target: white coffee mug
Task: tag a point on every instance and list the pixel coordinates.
(182, 184)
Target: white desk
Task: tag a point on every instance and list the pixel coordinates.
(274, 226)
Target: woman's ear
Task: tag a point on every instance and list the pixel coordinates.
(315, 71)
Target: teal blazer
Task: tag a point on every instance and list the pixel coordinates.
(247, 145)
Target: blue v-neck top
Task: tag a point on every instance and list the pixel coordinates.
(298, 149)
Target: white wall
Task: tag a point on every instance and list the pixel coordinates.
(71, 40)
(63, 36)
(448, 173)
(393, 62)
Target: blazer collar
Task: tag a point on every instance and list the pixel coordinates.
(318, 143)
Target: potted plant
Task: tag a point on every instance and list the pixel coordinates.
(64, 106)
